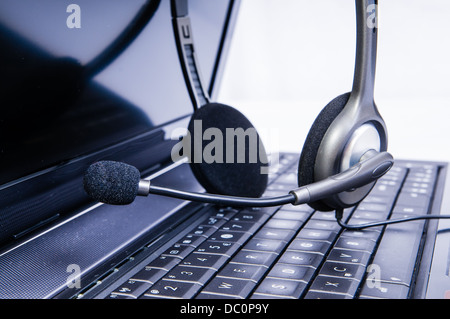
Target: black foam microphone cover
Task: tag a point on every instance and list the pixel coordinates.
(227, 166)
(112, 182)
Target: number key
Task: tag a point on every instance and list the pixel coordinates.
(218, 247)
(190, 274)
(172, 290)
(204, 260)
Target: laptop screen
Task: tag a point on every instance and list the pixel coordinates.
(90, 80)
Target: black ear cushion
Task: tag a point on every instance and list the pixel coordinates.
(229, 177)
(311, 147)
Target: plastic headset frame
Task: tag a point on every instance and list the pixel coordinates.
(187, 53)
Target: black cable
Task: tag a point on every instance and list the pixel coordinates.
(339, 214)
(223, 199)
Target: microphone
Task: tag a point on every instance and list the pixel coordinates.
(118, 183)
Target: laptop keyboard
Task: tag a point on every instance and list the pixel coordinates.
(294, 251)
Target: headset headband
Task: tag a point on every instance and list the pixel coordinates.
(365, 62)
(186, 51)
(366, 48)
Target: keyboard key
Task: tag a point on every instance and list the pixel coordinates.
(254, 217)
(421, 172)
(385, 191)
(371, 233)
(178, 250)
(214, 221)
(428, 191)
(324, 216)
(132, 288)
(276, 234)
(292, 272)
(349, 256)
(355, 243)
(225, 213)
(192, 240)
(190, 274)
(368, 215)
(240, 226)
(361, 221)
(225, 248)
(261, 210)
(119, 296)
(420, 179)
(172, 290)
(346, 270)
(230, 236)
(284, 224)
(317, 234)
(397, 265)
(323, 225)
(265, 245)
(410, 210)
(203, 230)
(326, 295)
(377, 199)
(414, 200)
(374, 207)
(281, 287)
(298, 208)
(315, 246)
(254, 258)
(300, 258)
(149, 274)
(384, 291)
(291, 215)
(243, 271)
(204, 260)
(164, 262)
(413, 226)
(409, 185)
(229, 287)
(335, 285)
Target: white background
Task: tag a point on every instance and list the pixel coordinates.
(289, 58)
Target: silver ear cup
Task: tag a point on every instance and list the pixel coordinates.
(364, 137)
(340, 136)
(358, 129)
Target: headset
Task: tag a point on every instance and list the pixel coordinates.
(347, 128)
(344, 153)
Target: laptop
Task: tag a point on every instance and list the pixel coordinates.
(97, 80)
